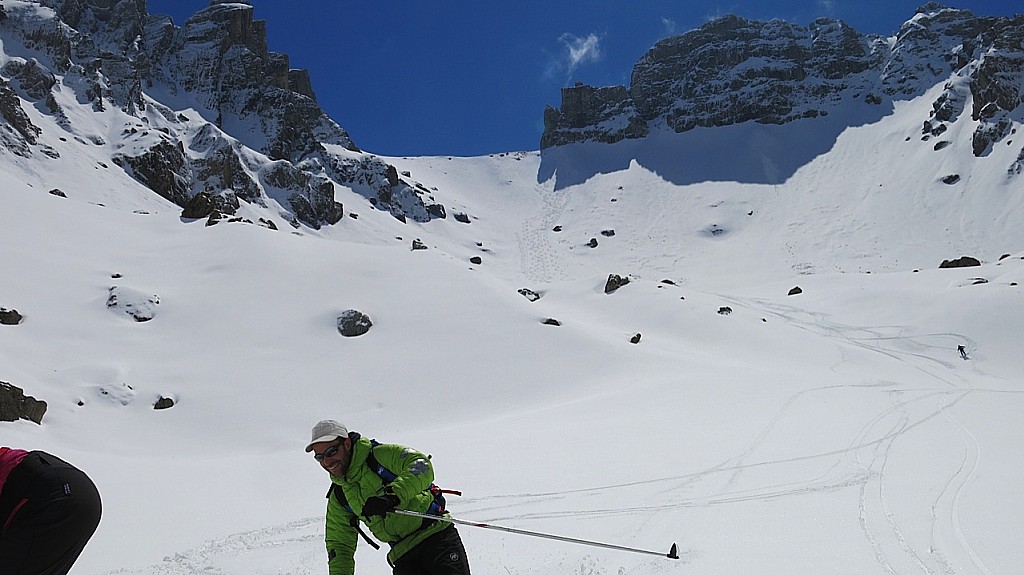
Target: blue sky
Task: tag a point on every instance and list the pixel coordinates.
(472, 77)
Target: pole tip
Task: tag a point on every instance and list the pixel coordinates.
(673, 553)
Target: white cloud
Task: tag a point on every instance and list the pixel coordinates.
(580, 50)
(670, 25)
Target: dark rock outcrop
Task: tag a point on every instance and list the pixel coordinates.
(10, 316)
(614, 282)
(310, 196)
(34, 81)
(315, 204)
(732, 70)
(300, 83)
(223, 167)
(997, 83)
(200, 206)
(587, 113)
(163, 169)
(728, 71)
(17, 133)
(15, 405)
(381, 184)
(209, 205)
(961, 262)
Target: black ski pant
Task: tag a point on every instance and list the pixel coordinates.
(49, 510)
(440, 554)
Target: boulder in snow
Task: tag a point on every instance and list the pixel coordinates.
(353, 323)
(163, 403)
(10, 316)
(140, 306)
(614, 282)
(961, 262)
(529, 294)
(15, 405)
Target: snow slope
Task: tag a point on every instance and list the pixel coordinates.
(834, 431)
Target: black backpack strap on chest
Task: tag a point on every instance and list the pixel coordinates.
(339, 494)
(385, 474)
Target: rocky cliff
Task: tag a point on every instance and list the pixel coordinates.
(732, 70)
(202, 108)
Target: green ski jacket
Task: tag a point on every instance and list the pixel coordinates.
(414, 475)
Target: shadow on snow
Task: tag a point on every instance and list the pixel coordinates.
(747, 153)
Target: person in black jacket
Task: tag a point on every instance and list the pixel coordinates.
(48, 512)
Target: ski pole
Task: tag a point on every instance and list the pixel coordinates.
(672, 553)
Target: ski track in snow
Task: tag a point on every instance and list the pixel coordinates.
(949, 501)
(537, 249)
(879, 522)
(296, 548)
(861, 465)
(274, 548)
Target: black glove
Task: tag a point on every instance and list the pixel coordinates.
(379, 505)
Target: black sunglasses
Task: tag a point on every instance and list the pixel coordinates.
(329, 452)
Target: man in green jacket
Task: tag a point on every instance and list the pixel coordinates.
(360, 492)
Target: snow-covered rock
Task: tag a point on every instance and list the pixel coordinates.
(204, 107)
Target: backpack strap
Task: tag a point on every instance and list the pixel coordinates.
(339, 494)
(437, 506)
(385, 474)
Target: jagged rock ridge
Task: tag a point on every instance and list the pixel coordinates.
(201, 108)
(732, 70)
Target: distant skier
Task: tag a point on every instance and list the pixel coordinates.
(48, 511)
(963, 351)
(368, 480)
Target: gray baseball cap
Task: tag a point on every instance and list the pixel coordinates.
(326, 430)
